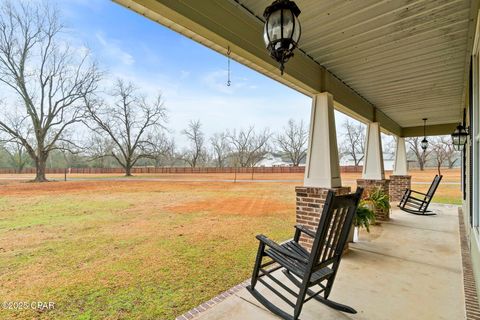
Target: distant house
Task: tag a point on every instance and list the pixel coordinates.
(388, 161)
(274, 160)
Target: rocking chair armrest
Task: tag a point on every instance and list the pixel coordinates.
(277, 247)
(424, 194)
(305, 230)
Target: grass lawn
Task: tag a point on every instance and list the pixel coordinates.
(132, 250)
(140, 249)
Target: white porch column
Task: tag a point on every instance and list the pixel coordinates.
(373, 160)
(400, 180)
(400, 168)
(322, 168)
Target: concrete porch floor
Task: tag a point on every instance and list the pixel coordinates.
(407, 268)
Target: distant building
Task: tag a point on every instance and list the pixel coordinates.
(273, 160)
(388, 161)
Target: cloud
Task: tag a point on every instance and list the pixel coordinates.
(111, 49)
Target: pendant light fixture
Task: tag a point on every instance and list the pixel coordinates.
(424, 143)
(282, 30)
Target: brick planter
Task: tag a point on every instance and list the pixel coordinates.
(398, 184)
(368, 186)
(309, 206)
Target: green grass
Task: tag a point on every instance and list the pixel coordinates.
(128, 254)
(446, 193)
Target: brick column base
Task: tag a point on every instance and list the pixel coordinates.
(309, 208)
(398, 184)
(368, 186)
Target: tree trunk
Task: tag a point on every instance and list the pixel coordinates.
(128, 171)
(421, 163)
(40, 166)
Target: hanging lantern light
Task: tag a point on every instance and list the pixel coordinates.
(282, 30)
(459, 137)
(424, 143)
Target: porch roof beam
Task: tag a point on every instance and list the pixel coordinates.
(432, 130)
(218, 24)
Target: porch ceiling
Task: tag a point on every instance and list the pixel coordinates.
(408, 58)
(395, 62)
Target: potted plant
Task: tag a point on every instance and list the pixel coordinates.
(364, 217)
(379, 199)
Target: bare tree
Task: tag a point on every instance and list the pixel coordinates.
(128, 122)
(98, 149)
(388, 144)
(353, 142)
(221, 149)
(196, 153)
(443, 152)
(17, 155)
(420, 155)
(293, 141)
(439, 153)
(163, 149)
(49, 79)
(249, 147)
(450, 153)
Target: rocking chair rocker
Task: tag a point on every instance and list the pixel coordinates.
(307, 269)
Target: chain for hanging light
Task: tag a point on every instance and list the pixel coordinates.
(229, 51)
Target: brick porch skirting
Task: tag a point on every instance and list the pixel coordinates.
(398, 184)
(197, 311)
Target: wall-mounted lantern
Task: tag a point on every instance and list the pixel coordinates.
(460, 135)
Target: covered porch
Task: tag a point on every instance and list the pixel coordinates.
(407, 268)
(389, 65)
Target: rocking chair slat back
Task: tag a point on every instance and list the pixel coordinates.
(338, 213)
(434, 186)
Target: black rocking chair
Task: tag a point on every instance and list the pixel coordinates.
(307, 269)
(417, 202)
